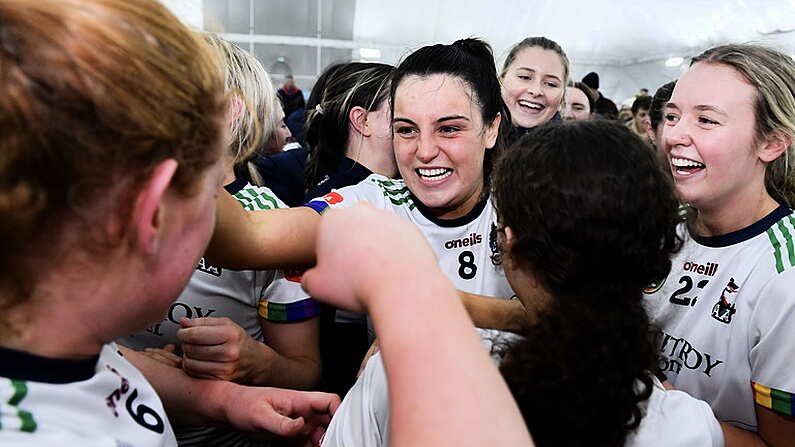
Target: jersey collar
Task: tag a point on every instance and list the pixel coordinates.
(457, 222)
(743, 234)
(19, 365)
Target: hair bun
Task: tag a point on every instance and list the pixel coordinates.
(475, 47)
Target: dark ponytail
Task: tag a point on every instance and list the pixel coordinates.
(338, 90)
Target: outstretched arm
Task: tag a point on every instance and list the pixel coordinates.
(443, 383)
(261, 410)
(261, 240)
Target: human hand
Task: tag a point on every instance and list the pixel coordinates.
(217, 348)
(164, 355)
(362, 251)
(267, 412)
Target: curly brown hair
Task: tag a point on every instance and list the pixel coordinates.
(594, 219)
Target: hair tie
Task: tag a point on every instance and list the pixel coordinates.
(319, 109)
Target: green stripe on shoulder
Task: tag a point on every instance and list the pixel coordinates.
(788, 241)
(27, 423)
(391, 187)
(396, 191)
(20, 391)
(252, 200)
(782, 238)
(776, 249)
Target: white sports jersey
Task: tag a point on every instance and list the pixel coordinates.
(726, 316)
(243, 296)
(671, 418)
(240, 295)
(102, 401)
(464, 247)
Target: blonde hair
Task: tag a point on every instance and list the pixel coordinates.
(772, 74)
(246, 78)
(96, 93)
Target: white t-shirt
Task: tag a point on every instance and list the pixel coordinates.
(243, 296)
(726, 315)
(101, 401)
(671, 418)
(464, 247)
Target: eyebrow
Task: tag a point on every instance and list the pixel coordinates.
(701, 107)
(533, 70)
(440, 120)
(710, 109)
(451, 118)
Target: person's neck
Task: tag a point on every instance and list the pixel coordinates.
(741, 213)
(229, 173)
(361, 151)
(49, 328)
(68, 314)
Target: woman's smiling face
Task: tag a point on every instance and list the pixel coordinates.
(440, 142)
(532, 86)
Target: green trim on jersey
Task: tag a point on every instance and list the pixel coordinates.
(396, 193)
(252, 200)
(785, 239)
(28, 424)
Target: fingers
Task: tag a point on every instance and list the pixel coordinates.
(316, 403)
(208, 369)
(309, 404)
(226, 352)
(207, 334)
(205, 321)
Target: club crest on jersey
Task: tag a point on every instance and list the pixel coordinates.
(206, 267)
(725, 308)
(494, 245)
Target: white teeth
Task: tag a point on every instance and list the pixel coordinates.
(685, 163)
(531, 105)
(436, 173)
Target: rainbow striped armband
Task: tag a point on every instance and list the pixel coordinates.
(777, 400)
(290, 312)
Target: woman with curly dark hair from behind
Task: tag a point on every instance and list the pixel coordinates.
(588, 221)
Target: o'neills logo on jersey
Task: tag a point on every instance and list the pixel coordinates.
(708, 269)
(472, 239)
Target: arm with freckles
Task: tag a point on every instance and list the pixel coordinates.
(262, 410)
(260, 240)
